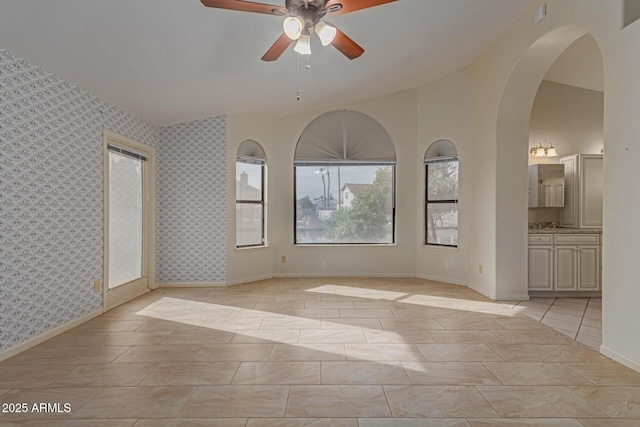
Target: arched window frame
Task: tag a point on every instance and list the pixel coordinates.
(357, 145)
(441, 154)
(251, 163)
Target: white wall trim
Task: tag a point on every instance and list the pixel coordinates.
(446, 280)
(249, 280)
(486, 292)
(513, 297)
(365, 275)
(191, 284)
(620, 358)
(19, 348)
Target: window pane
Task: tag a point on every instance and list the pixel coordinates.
(344, 204)
(125, 219)
(248, 224)
(442, 224)
(248, 181)
(442, 181)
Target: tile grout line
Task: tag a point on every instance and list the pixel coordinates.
(547, 310)
(582, 320)
(286, 404)
(575, 337)
(487, 400)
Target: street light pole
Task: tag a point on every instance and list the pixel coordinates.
(321, 171)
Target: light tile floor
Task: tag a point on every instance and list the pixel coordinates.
(578, 318)
(320, 352)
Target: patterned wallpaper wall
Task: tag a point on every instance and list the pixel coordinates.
(51, 182)
(191, 210)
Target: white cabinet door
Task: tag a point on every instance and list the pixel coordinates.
(583, 186)
(591, 190)
(541, 268)
(569, 213)
(566, 268)
(588, 268)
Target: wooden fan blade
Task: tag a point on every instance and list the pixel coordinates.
(278, 48)
(353, 5)
(348, 47)
(246, 6)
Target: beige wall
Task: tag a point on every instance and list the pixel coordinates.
(506, 77)
(485, 110)
(580, 65)
(397, 114)
(570, 118)
(444, 113)
(248, 264)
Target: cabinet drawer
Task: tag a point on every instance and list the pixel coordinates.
(577, 239)
(540, 239)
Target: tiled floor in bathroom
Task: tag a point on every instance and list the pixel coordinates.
(578, 318)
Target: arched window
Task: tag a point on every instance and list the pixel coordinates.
(344, 181)
(250, 191)
(441, 198)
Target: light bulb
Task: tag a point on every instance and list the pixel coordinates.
(293, 26)
(551, 151)
(326, 32)
(303, 47)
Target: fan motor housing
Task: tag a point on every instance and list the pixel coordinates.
(310, 10)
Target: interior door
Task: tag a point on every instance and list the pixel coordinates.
(127, 221)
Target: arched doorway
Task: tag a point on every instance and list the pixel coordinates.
(512, 135)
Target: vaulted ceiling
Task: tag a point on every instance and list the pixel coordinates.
(170, 61)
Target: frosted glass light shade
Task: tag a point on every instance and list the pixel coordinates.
(326, 32)
(293, 26)
(303, 47)
(551, 151)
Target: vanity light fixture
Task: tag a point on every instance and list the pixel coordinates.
(540, 151)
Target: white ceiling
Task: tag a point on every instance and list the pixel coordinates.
(170, 61)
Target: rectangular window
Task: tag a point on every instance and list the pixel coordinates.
(344, 204)
(249, 204)
(441, 210)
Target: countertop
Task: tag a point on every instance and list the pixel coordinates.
(565, 231)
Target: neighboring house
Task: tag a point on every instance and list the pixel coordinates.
(325, 211)
(350, 192)
(245, 191)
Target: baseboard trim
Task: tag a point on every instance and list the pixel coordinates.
(568, 294)
(321, 275)
(19, 348)
(249, 280)
(620, 358)
(512, 297)
(441, 279)
(191, 284)
(481, 291)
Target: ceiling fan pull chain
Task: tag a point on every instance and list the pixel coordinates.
(298, 79)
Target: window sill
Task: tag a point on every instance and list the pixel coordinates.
(345, 245)
(442, 248)
(252, 248)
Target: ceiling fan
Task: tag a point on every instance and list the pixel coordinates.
(302, 18)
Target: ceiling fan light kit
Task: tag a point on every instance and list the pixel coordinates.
(326, 32)
(303, 46)
(302, 18)
(293, 26)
